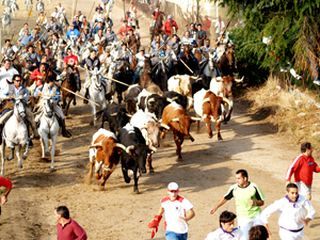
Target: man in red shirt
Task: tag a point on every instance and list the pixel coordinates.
(302, 168)
(170, 26)
(67, 228)
(71, 60)
(7, 184)
(124, 29)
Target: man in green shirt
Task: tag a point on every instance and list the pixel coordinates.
(248, 198)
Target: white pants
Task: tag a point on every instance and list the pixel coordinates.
(287, 235)
(304, 190)
(246, 225)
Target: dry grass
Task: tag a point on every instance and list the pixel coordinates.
(296, 112)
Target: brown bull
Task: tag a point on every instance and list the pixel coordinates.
(104, 155)
(208, 106)
(174, 117)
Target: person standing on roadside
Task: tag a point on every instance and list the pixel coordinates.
(248, 198)
(7, 184)
(295, 213)
(302, 168)
(67, 228)
(177, 210)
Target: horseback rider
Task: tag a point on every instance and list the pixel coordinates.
(7, 71)
(72, 61)
(50, 89)
(90, 64)
(17, 90)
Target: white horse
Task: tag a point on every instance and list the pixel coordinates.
(6, 20)
(96, 92)
(13, 7)
(40, 6)
(48, 129)
(15, 135)
(28, 4)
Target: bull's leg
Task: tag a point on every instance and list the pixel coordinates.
(149, 161)
(67, 107)
(136, 179)
(126, 177)
(107, 174)
(208, 125)
(177, 139)
(90, 174)
(74, 100)
(198, 126)
(218, 127)
(228, 116)
(64, 102)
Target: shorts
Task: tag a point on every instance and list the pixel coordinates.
(304, 190)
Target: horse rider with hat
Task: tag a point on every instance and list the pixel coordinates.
(52, 90)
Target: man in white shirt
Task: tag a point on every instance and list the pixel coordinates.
(177, 212)
(227, 231)
(6, 74)
(295, 213)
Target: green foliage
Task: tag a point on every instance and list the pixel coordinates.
(293, 26)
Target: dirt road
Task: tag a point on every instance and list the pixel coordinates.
(117, 213)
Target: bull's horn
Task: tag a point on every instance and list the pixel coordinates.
(152, 148)
(169, 100)
(194, 77)
(218, 79)
(113, 114)
(196, 118)
(129, 115)
(96, 145)
(129, 149)
(175, 120)
(239, 80)
(119, 145)
(164, 126)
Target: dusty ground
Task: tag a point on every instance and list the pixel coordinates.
(205, 174)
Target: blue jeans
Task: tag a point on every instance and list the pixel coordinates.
(176, 236)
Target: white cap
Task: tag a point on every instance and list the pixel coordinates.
(173, 186)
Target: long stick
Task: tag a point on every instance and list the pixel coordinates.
(80, 96)
(117, 81)
(186, 66)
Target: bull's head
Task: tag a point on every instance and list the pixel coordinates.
(153, 129)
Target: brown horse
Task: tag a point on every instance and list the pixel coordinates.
(70, 83)
(227, 63)
(156, 29)
(146, 80)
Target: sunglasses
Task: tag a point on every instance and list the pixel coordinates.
(18, 80)
(173, 191)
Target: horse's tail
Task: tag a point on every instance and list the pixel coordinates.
(99, 114)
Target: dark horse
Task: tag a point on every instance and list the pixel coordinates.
(122, 73)
(156, 29)
(69, 82)
(187, 63)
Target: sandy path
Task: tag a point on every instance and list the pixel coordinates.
(206, 173)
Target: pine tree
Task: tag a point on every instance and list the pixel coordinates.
(291, 25)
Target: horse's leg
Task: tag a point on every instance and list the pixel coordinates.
(68, 106)
(3, 148)
(53, 148)
(18, 155)
(11, 156)
(94, 112)
(25, 154)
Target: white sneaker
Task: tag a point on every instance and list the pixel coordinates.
(317, 82)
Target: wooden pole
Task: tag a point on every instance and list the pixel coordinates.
(124, 9)
(80, 96)
(117, 81)
(186, 65)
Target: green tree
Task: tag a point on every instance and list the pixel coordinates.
(291, 25)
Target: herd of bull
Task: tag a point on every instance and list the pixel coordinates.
(136, 126)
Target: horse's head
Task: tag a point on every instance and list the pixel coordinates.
(20, 109)
(230, 54)
(48, 107)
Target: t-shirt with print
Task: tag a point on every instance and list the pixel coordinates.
(174, 211)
